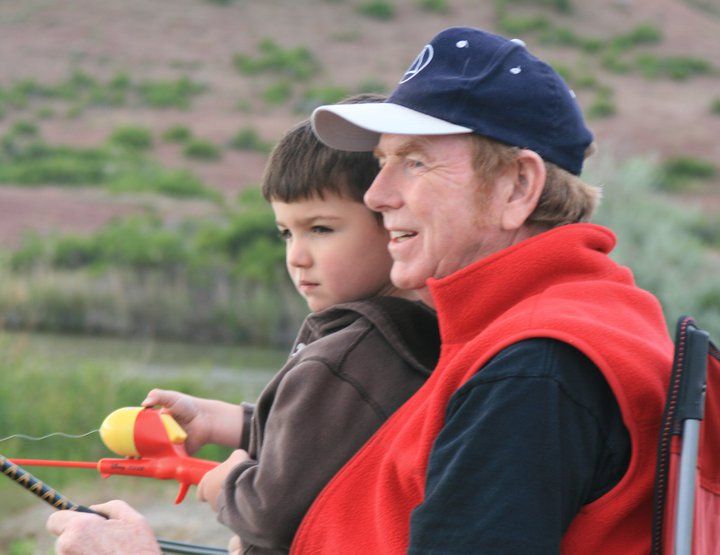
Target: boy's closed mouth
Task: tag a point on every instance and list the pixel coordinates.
(307, 286)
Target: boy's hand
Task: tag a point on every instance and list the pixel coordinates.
(211, 484)
(204, 420)
(187, 411)
(124, 532)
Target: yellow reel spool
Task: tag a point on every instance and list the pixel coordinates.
(118, 429)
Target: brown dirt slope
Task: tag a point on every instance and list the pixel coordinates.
(46, 40)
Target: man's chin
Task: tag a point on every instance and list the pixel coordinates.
(404, 278)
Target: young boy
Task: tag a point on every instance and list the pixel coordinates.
(362, 352)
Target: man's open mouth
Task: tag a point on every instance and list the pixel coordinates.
(401, 235)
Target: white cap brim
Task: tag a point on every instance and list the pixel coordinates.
(357, 127)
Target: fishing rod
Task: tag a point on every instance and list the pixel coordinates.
(58, 501)
(152, 443)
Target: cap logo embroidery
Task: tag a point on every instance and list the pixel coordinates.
(515, 70)
(419, 63)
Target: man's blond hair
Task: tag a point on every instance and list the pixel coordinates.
(565, 199)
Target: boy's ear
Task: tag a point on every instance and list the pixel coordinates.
(524, 181)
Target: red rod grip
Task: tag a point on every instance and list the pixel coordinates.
(66, 464)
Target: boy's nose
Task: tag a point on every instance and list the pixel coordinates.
(298, 255)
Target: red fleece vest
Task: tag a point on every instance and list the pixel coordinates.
(560, 284)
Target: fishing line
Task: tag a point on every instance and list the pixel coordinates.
(40, 438)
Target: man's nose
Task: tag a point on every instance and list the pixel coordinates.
(383, 194)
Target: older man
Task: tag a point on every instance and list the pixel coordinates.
(536, 432)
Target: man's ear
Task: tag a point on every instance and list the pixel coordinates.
(525, 181)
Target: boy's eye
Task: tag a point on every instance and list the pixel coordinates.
(321, 229)
(284, 234)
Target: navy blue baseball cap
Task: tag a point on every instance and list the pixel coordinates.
(469, 81)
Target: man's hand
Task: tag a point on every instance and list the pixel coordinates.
(211, 484)
(125, 532)
(235, 546)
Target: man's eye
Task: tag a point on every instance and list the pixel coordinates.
(414, 164)
(321, 229)
(284, 234)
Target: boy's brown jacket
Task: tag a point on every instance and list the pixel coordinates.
(352, 365)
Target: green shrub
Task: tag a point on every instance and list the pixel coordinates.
(674, 67)
(21, 92)
(102, 96)
(244, 105)
(59, 165)
(153, 179)
(521, 25)
(221, 278)
(177, 134)
(656, 240)
(586, 81)
(25, 546)
(372, 85)
(36, 163)
(249, 139)
(602, 106)
(314, 97)
(132, 137)
(145, 243)
(564, 71)
(120, 81)
(201, 149)
(436, 6)
(685, 166)
(641, 35)
(169, 94)
(707, 229)
(377, 9)
(346, 35)
(715, 107)
(564, 36)
(74, 112)
(612, 61)
(679, 172)
(298, 63)
(562, 6)
(278, 93)
(83, 90)
(24, 128)
(42, 113)
(82, 80)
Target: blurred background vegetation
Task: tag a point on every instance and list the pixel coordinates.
(136, 250)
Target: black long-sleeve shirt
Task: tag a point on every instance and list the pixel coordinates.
(530, 439)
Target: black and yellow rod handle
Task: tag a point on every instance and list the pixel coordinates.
(62, 503)
(44, 492)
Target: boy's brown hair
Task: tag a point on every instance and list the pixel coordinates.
(300, 167)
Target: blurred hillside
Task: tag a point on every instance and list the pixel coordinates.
(133, 136)
(233, 75)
